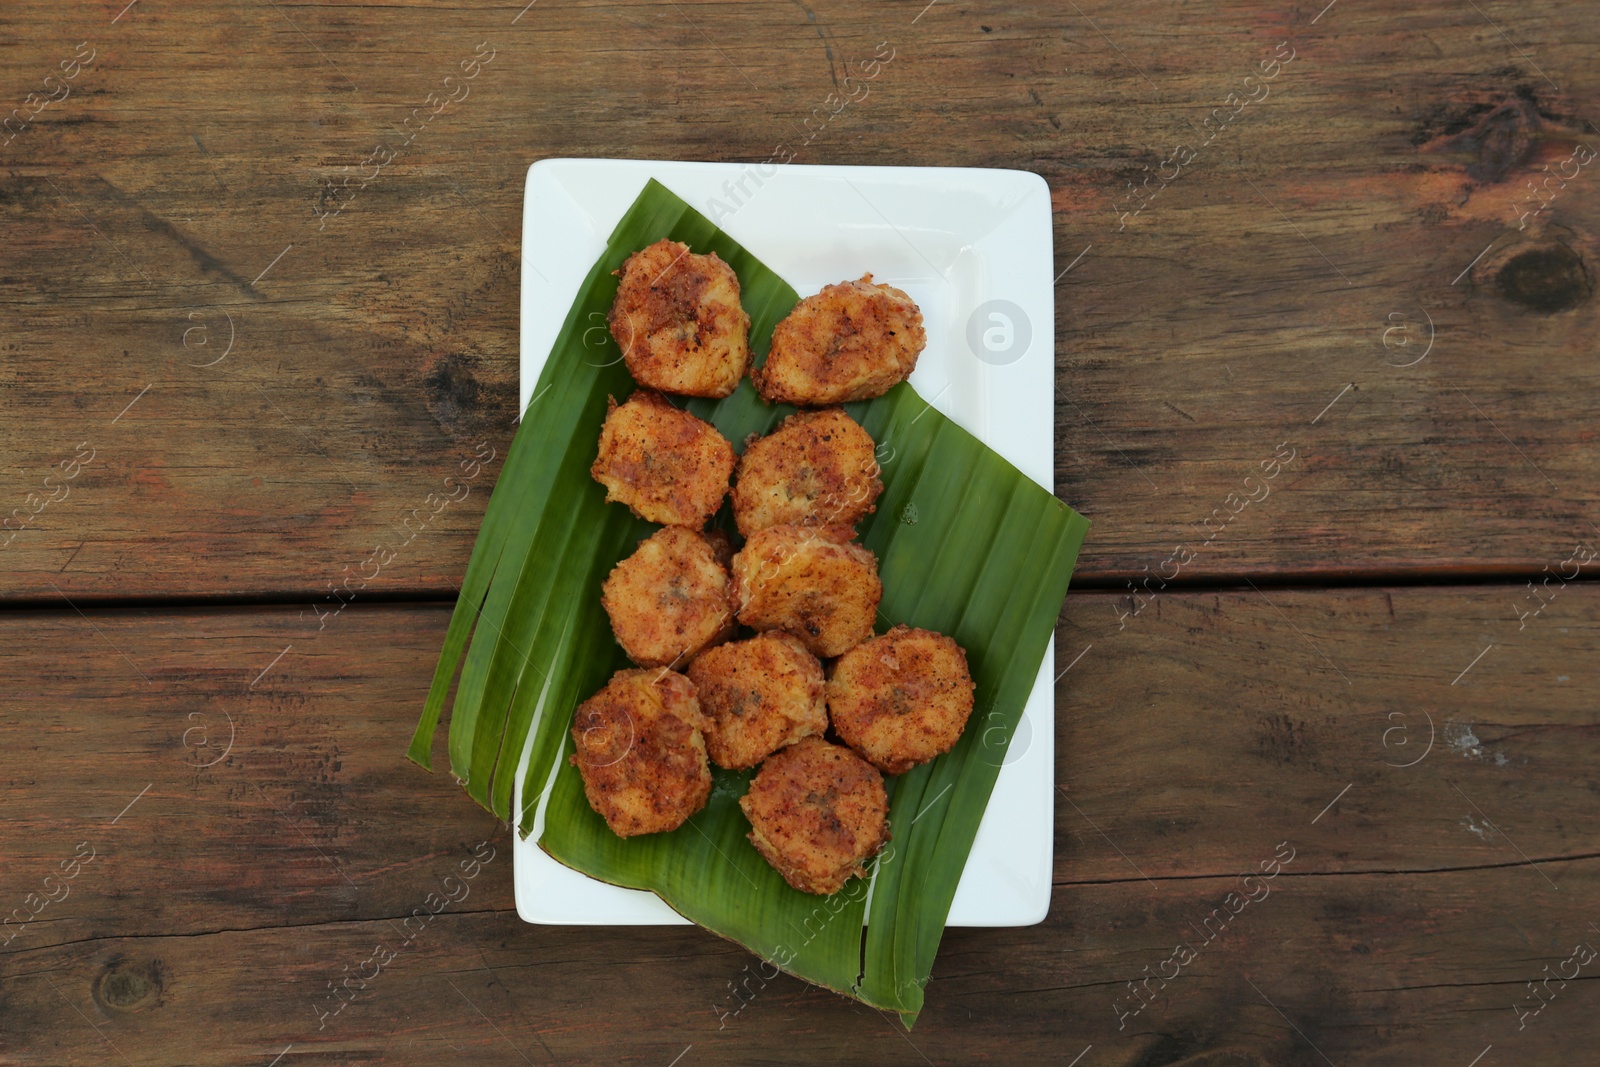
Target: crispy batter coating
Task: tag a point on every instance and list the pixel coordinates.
(817, 813)
(757, 696)
(901, 699)
(671, 599)
(817, 468)
(667, 465)
(641, 753)
(678, 320)
(852, 341)
(810, 581)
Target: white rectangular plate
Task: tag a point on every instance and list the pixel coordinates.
(973, 249)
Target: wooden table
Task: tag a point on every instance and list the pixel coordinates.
(238, 348)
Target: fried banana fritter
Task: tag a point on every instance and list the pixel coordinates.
(757, 696)
(817, 468)
(817, 813)
(671, 599)
(810, 581)
(678, 320)
(667, 465)
(852, 341)
(641, 752)
(901, 699)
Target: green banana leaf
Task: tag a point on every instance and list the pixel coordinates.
(967, 545)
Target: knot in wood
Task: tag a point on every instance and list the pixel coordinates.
(1547, 279)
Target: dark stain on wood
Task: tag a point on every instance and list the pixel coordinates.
(1196, 1047)
(1495, 138)
(452, 389)
(157, 226)
(465, 404)
(128, 985)
(1284, 741)
(1210, 1058)
(1547, 279)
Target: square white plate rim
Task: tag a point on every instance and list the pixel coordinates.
(956, 239)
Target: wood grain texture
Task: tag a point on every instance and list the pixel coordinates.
(1334, 964)
(254, 380)
(174, 199)
(1192, 743)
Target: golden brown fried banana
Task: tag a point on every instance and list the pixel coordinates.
(810, 581)
(817, 813)
(852, 341)
(641, 752)
(757, 696)
(667, 465)
(671, 599)
(678, 320)
(817, 468)
(901, 699)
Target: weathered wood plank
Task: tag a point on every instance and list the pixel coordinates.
(174, 200)
(1441, 711)
(1390, 970)
(1193, 741)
